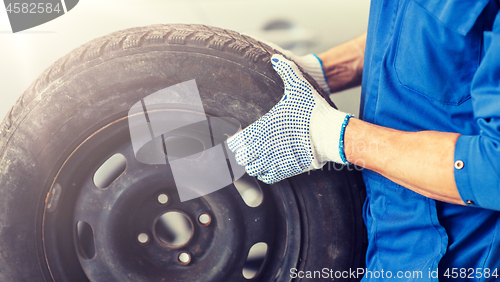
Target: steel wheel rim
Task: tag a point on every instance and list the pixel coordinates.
(129, 205)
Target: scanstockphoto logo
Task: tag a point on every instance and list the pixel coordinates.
(170, 127)
(25, 14)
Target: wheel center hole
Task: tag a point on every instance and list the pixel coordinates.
(174, 229)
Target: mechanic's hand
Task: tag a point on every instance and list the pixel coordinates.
(300, 133)
(310, 63)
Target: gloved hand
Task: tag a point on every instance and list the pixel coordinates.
(301, 132)
(310, 63)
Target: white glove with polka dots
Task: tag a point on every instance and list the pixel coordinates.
(310, 63)
(300, 133)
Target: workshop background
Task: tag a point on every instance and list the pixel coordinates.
(303, 26)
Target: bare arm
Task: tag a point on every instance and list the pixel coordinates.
(420, 161)
(343, 64)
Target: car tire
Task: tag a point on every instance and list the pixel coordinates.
(73, 118)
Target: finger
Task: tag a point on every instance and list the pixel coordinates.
(258, 167)
(287, 70)
(243, 138)
(233, 137)
(250, 134)
(237, 141)
(259, 148)
(270, 177)
(248, 154)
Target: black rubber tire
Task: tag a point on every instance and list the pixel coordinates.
(98, 82)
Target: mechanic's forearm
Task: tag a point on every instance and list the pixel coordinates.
(420, 161)
(343, 64)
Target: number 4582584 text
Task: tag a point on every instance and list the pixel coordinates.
(471, 273)
(33, 8)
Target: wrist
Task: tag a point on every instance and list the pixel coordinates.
(360, 146)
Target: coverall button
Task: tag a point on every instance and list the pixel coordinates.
(470, 202)
(459, 164)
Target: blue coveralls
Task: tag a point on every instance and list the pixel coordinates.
(435, 65)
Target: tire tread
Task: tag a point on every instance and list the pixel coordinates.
(155, 35)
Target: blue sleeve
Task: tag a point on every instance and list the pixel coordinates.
(477, 173)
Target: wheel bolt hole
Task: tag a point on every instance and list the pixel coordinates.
(184, 258)
(143, 238)
(204, 219)
(163, 199)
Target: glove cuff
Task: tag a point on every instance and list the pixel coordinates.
(313, 66)
(327, 135)
(341, 143)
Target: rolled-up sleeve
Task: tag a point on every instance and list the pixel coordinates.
(477, 158)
